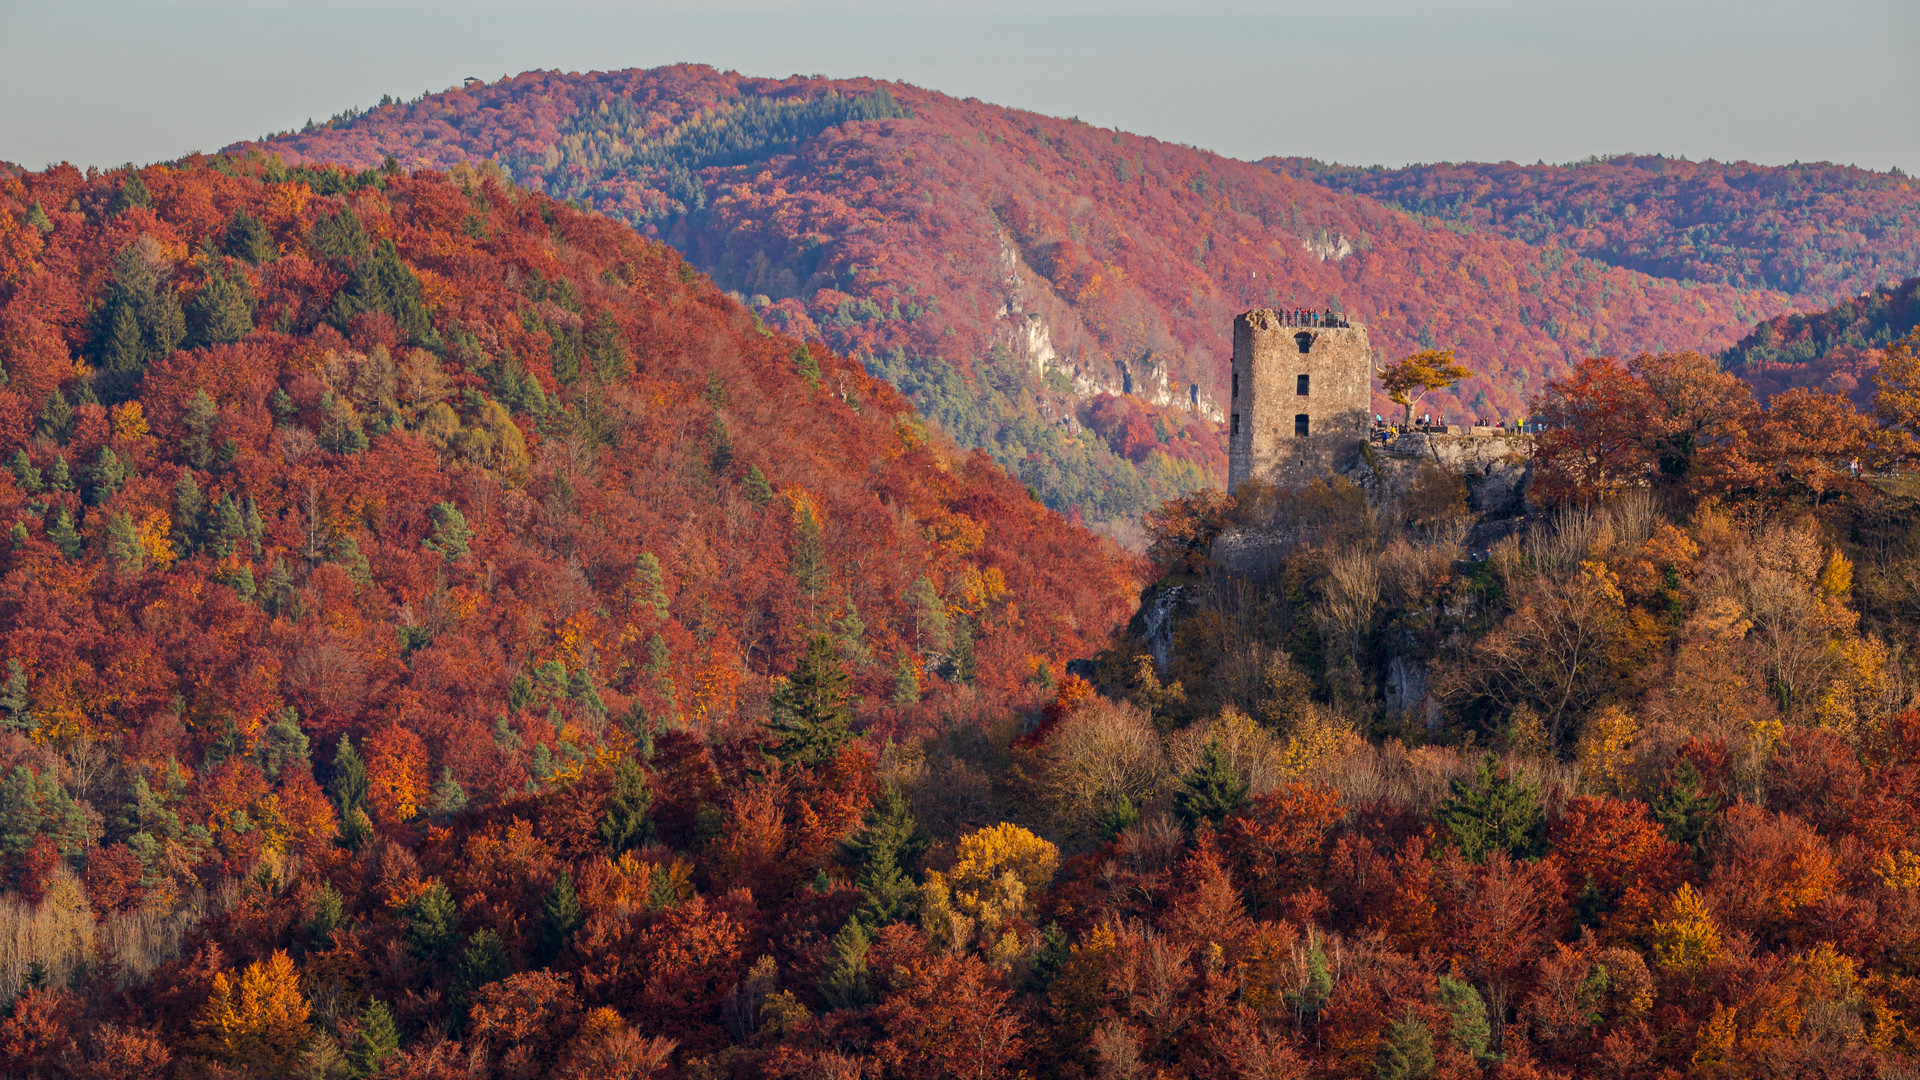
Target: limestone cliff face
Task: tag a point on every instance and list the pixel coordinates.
(1496, 465)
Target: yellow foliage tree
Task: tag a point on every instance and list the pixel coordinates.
(999, 869)
(1688, 940)
(259, 1019)
(1411, 378)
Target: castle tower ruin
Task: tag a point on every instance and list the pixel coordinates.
(1301, 390)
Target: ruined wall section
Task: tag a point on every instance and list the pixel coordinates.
(1299, 399)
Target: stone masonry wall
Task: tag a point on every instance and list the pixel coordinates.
(1269, 359)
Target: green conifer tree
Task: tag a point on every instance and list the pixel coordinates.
(1467, 1027)
(1685, 809)
(348, 784)
(189, 507)
(483, 961)
(449, 797)
(1212, 791)
(625, 824)
(888, 841)
(806, 366)
(133, 192)
(375, 1039)
(1406, 1050)
(63, 534)
(612, 363)
(1495, 813)
(25, 476)
(37, 217)
(433, 925)
(60, 476)
(560, 916)
(56, 416)
(196, 429)
(247, 238)
(283, 746)
(124, 550)
(649, 587)
(452, 538)
(758, 491)
(14, 700)
(906, 681)
(811, 714)
(845, 984)
(223, 309)
(808, 564)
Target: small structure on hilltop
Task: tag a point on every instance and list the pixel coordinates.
(1301, 411)
(1302, 383)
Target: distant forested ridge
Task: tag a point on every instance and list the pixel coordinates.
(1817, 231)
(1012, 272)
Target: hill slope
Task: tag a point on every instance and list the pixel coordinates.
(1818, 231)
(1009, 270)
(1837, 349)
(337, 452)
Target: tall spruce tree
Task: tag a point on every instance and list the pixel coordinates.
(625, 824)
(812, 712)
(1212, 791)
(1494, 813)
(887, 842)
(560, 916)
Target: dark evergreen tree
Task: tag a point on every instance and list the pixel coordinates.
(246, 238)
(560, 916)
(812, 714)
(105, 477)
(223, 309)
(196, 424)
(806, 366)
(283, 746)
(451, 535)
(63, 534)
(1467, 1024)
(483, 961)
(1685, 809)
(448, 796)
(612, 363)
(887, 843)
(56, 417)
(25, 475)
(625, 824)
(845, 983)
(348, 784)
(189, 511)
(339, 237)
(433, 925)
(375, 1039)
(757, 490)
(1406, 1050)
(60, 476)
(133, 192)
(1495, 813)
(1212, 791)
(808, 564)
(37, 217)
(326, 911)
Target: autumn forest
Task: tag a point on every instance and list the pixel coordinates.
(662, 574)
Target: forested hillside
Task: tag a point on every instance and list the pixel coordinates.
(1009, 270)
(1838, 349)
(1817, 231)
(451, 497)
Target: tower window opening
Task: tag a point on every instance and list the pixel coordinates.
(1300, 424)
(1300, 386)
(1236, 385)
(1236, 423)
(1304, 340)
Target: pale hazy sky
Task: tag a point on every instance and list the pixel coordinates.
(99, 82)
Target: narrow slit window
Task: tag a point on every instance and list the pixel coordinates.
(1300, 424)
(1304, 340)
(1300, 386)
(1236, 386)
(1236, 423)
